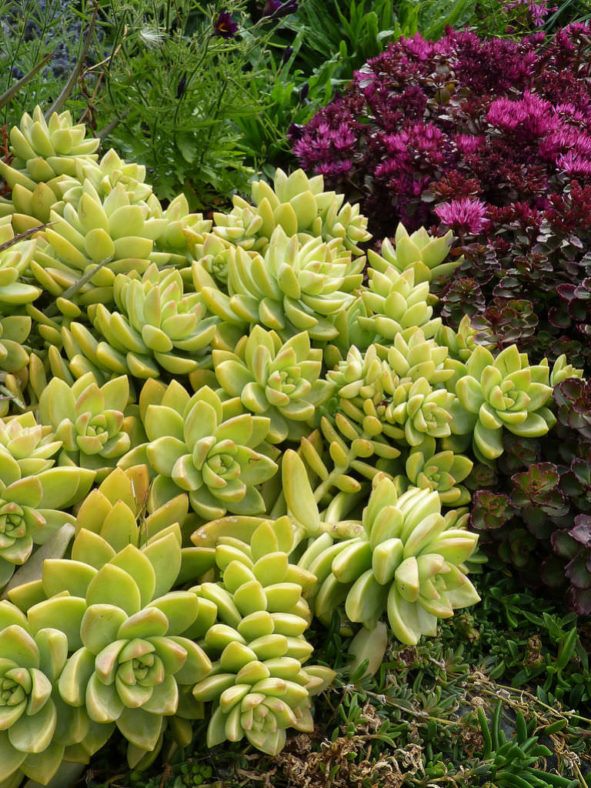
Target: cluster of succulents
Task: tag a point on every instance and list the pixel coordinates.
(529, 511)
(455, 133)
(215, 432)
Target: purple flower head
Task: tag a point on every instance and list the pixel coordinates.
(531, 115)
(464, 217)
(538, 9)
(275, 9)
(468, 143)
(224, 26)
(574, 165)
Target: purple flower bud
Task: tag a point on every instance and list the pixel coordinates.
(275, 9)
(464, 217)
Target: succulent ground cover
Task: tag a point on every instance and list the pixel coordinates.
(490, 138)
(221, 435)
(417, 722)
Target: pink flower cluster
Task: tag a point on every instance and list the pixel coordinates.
(507, 121)
(492, 139)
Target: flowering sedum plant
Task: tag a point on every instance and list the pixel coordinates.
(487, 138)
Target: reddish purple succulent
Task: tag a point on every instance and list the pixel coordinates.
(465, 217)
(576, 546)
(573, 398)
(490, 510)
(537, 496)
(491, 137)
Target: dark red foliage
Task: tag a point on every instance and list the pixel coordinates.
(491, 138)
(573, 398)
(490, 510)
(535, 513)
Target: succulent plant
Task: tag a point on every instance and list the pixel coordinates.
(396, 304)
(109, 173)
(158, 326)
(562, 370)
(252, 307)
(408, 563)
(403, 558)
(537, 494)
(578, 302)
(32, 490)
(24, 523)
(262, 697)
(43, 151)
(461, 343)
(573, 400)
(183, 235)
(28, 444)
(502, 392)
(340, 457)
(575, 545)
(113, 231)
(419, 252)
(442, 471)
(15, 257)
(14, 353)
(197, 445)
(424, 413)
(490, 510)
(298, 204)
(257, 682)
(30, 663)
(88, 419)
(124, 629)
(295, 287)
(117, 511)
(389, 389)
(576, 484)
(278, 380)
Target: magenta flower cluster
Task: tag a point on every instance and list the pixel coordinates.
(488, 137)
(512, 119)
